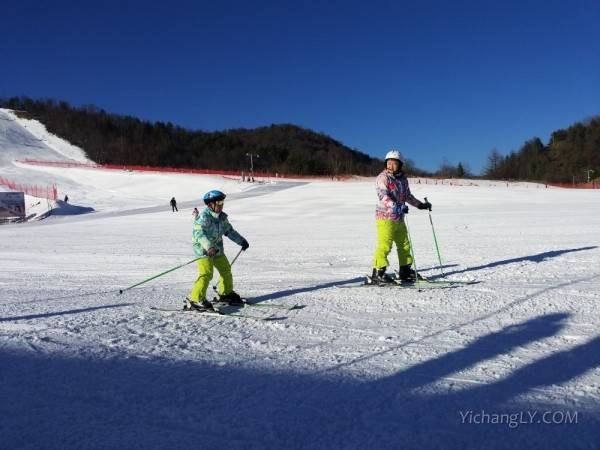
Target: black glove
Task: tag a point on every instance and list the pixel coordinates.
(405, 209)
(245, 245)
(425, 205)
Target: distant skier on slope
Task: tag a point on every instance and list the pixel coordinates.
(209, 228)
(392, 192)
(174, 204)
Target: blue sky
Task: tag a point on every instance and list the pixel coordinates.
(439, 80)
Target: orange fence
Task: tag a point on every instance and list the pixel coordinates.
(590, 185)
(48, 192)
(235, 173)
(238, 173)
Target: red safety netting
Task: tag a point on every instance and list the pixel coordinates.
(590, 185)
(235, 173)
(49, 192)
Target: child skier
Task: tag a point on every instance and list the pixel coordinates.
(393, 191)
(209, 228)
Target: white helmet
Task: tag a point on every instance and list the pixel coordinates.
(394, 154)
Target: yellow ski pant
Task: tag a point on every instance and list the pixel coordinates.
(205, 274)
(390, 232)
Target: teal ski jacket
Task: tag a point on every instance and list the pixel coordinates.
(209, 229)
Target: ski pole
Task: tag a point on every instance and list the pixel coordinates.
(412, 251)
(236, 257)
(156, 276)
(233, 261)
(436, 243)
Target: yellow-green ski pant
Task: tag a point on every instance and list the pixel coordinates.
(390, 232)
(205, 274)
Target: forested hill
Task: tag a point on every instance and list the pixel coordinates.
(569, 155)
(116, 139)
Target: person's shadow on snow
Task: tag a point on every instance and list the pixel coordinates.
(537, 258)
(68, 312)
(301, 290)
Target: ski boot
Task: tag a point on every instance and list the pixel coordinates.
(380, 277)
(233, 299)
(203, 306)
(407, 275)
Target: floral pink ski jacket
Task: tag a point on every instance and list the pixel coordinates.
(393, 192)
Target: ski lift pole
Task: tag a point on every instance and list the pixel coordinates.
(159, 275)
(437, 248)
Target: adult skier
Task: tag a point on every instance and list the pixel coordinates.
(209, 228)
(393, 192)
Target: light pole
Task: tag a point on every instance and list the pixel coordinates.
(588, 171)
(251, 156)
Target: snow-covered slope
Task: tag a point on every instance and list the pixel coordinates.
(31, 138)
(356, 367)
(92, 189)
(28, 139)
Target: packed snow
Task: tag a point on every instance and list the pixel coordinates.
(511, 361)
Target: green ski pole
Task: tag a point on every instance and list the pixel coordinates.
(412, 251)
(156, 276)
(436, 243)
(236, 256)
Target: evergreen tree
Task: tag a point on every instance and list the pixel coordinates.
(494, 162)
(116, 139)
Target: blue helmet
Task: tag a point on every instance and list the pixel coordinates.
(213, 196)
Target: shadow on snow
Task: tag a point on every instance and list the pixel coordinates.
(301, 290)
(63, 313)
(54, 402)
(538, 258)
